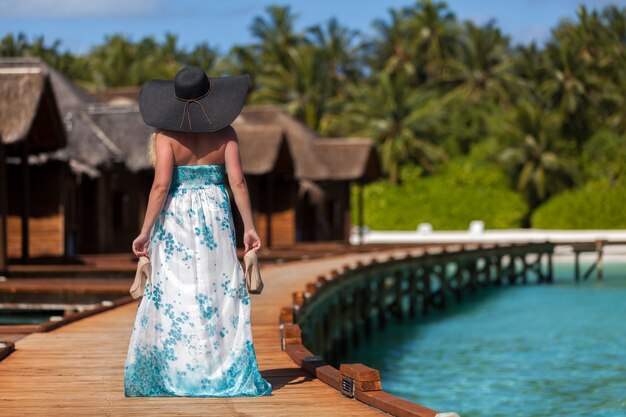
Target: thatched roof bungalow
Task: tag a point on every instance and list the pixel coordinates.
(31, 190)
(299, 182)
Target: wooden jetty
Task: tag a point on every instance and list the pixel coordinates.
(329, 304)
(342, 308)
(77, 369)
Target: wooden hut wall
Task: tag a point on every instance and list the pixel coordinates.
(276, 194)
(47, 218)
(87, 237)
(122, 198)
(328, 219)
(337, 205)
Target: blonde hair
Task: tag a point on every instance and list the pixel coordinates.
(152, 147)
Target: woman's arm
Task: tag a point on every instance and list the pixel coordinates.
(161, 183)
(237, 180)
(238, 185)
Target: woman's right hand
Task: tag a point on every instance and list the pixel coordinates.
(251, 240)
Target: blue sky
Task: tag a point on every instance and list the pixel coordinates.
(79, 24)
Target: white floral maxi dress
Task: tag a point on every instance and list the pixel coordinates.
(192, 335)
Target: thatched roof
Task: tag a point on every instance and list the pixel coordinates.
(262, 149)
(125, 129)
(121, 96)
(270, 141)
(87, 149)
(26, 97)
(345, 159)
(20, 94)
(315, 157)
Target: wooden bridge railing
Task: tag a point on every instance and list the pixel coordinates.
(340, 310)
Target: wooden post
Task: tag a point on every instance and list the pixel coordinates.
(537, 268)
(268, 208)
(318, 343)
(524, 268)
(600, 249)
(498, 277)
(349, 322)
(25, 199)
(346, 212)
(358, 316)
(336, 327)
(399, 293)
(511, 270)
(458, 278)
(445, 285)
(3, 208)
(328, 334)
(381, 296)
(426, 290)
(550, 271)
(413, 292)
(360, 196)
(366, 313)
(473, 271)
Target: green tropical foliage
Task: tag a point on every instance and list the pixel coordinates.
(597, 205)
(430, 90)
(463, 191)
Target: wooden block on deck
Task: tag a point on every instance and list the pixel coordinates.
(359, 372)
(291, 331)
(368, 385)
(292, 341)
(286, 315)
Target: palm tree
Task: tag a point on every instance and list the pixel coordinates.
(112, 63)
(482, 68)
(401, 120)
(535, 158)
(341, 52)
(567, 88)
(390, 50)
(432, 30)
(275, 35)
(301, 86)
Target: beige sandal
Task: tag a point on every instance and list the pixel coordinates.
(254, 283)
(141, 276)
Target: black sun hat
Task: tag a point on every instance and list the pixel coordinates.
(193, 102)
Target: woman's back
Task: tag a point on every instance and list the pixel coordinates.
(199, 148)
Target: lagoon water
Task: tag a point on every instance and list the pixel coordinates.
(534, 350)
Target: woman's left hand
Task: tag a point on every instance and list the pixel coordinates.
(141, 244)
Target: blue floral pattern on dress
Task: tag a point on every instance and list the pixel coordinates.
(192, 334)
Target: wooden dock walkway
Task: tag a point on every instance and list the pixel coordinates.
(78, 369)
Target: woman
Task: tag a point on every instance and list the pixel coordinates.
(192, 334)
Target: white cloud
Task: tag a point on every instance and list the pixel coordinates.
(76, 8)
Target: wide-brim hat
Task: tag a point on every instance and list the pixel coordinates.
(193, 102)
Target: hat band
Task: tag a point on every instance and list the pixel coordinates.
(189, 101)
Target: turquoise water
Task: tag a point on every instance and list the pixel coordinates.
(535, 350)
(11, 316)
